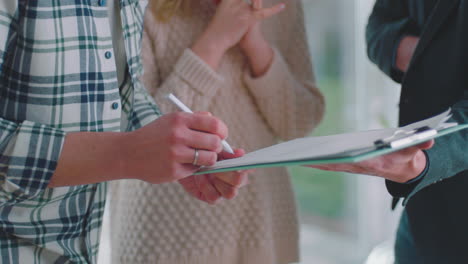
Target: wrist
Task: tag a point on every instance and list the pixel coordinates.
(209, 50)
(260, 58)
(88, 158)
(126, 155)
(405, 50)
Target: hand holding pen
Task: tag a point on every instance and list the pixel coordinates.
(183, 107)
(217, 185)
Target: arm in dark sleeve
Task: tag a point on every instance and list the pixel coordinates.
(448, 158)
(388, 23)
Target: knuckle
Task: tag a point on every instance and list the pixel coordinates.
(214, 125)
(216, 144)
(231, 194)
(177, 119)
(237, 181)
(173, 171)
(175, 154)
(212, 158)
(176, 136)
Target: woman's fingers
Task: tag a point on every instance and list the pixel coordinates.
(191, 187)
(227, 191)
(226, 155)
(212, 187)
(268, 12)
(235, 179)
(257, 4)
(209, 193)
(228, 184)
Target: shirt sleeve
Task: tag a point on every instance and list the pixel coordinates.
(449, 156)
(29, 155)
(286, 95)
(144, 109)
(29, 151)
(291, 106)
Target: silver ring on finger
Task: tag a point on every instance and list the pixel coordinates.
(195, 158)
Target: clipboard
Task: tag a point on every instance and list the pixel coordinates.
(341, 148)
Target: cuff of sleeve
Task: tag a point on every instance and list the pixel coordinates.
(261, 87)
(401, 190)
(144, 109)
(31, 159)
(434, 173)
(197, 73)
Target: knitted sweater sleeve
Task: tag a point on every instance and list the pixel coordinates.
(191, 79)
(286, 95)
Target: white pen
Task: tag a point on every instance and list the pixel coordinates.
(184, 108)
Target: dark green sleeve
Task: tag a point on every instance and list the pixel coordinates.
(449, 156)
(388, 23)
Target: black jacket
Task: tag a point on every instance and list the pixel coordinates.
(436, 79)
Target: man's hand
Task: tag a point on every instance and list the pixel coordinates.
(162, 151)
(401, 166)
(211, 188)
(405, 52)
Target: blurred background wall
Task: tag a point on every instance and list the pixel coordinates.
(344, 216)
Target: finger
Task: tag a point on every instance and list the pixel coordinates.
(226, 155)
(191, 187)
(235, 179)
(209, 124)
(227, 191)
(257, 4)
(268, 12)
(319, 167)
(207, 188)
(203, 113)
(410, 151)
(414, 149)
(205, 158)
(427, 145)
(202, 140)
(343, 167)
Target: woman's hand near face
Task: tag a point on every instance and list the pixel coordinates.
(257, 50)
(232, 21)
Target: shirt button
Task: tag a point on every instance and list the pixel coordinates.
(102, 2)
(115, 106)
(108, 54)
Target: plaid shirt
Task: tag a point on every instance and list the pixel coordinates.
(57, 76)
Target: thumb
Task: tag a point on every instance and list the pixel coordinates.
(426, 145)
(204, 113)
(268, 12)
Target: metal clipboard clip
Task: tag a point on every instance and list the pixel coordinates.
(396, 141)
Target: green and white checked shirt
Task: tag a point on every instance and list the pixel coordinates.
(58, 75)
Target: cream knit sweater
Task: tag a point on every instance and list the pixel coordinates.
(161, 223)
